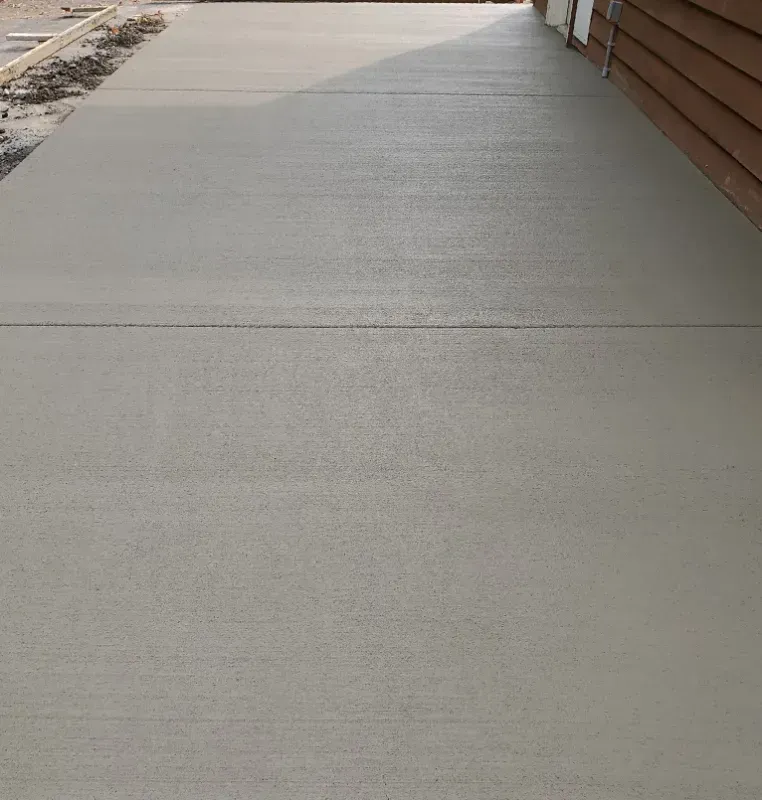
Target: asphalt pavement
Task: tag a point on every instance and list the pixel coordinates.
(380, 420)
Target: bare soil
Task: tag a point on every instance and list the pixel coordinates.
(13, 156)
(28, 9)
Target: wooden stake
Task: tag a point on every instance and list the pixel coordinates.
(29, 37)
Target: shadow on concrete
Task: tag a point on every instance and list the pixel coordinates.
(489, 179)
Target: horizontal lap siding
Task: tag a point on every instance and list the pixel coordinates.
(728, 42)
(699, 77)
(746, 13)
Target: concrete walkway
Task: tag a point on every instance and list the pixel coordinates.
(399, 436)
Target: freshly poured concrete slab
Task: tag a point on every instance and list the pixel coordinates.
(375, 564)
(361, 48)
(413, 564)
(353, 204)
(226, 207)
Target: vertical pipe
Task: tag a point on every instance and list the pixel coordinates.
(613, 15)
(609, 49)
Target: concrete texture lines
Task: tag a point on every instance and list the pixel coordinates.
(386, 428)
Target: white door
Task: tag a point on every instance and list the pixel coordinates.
(582, 20)
(557, 13)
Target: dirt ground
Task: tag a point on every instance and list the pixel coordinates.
(26, 9)
(29, 9)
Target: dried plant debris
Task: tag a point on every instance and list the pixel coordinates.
(134, 31)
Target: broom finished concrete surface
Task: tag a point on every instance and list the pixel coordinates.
(443, 482)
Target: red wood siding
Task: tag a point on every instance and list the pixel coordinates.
(746, 13)
(695, 68)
